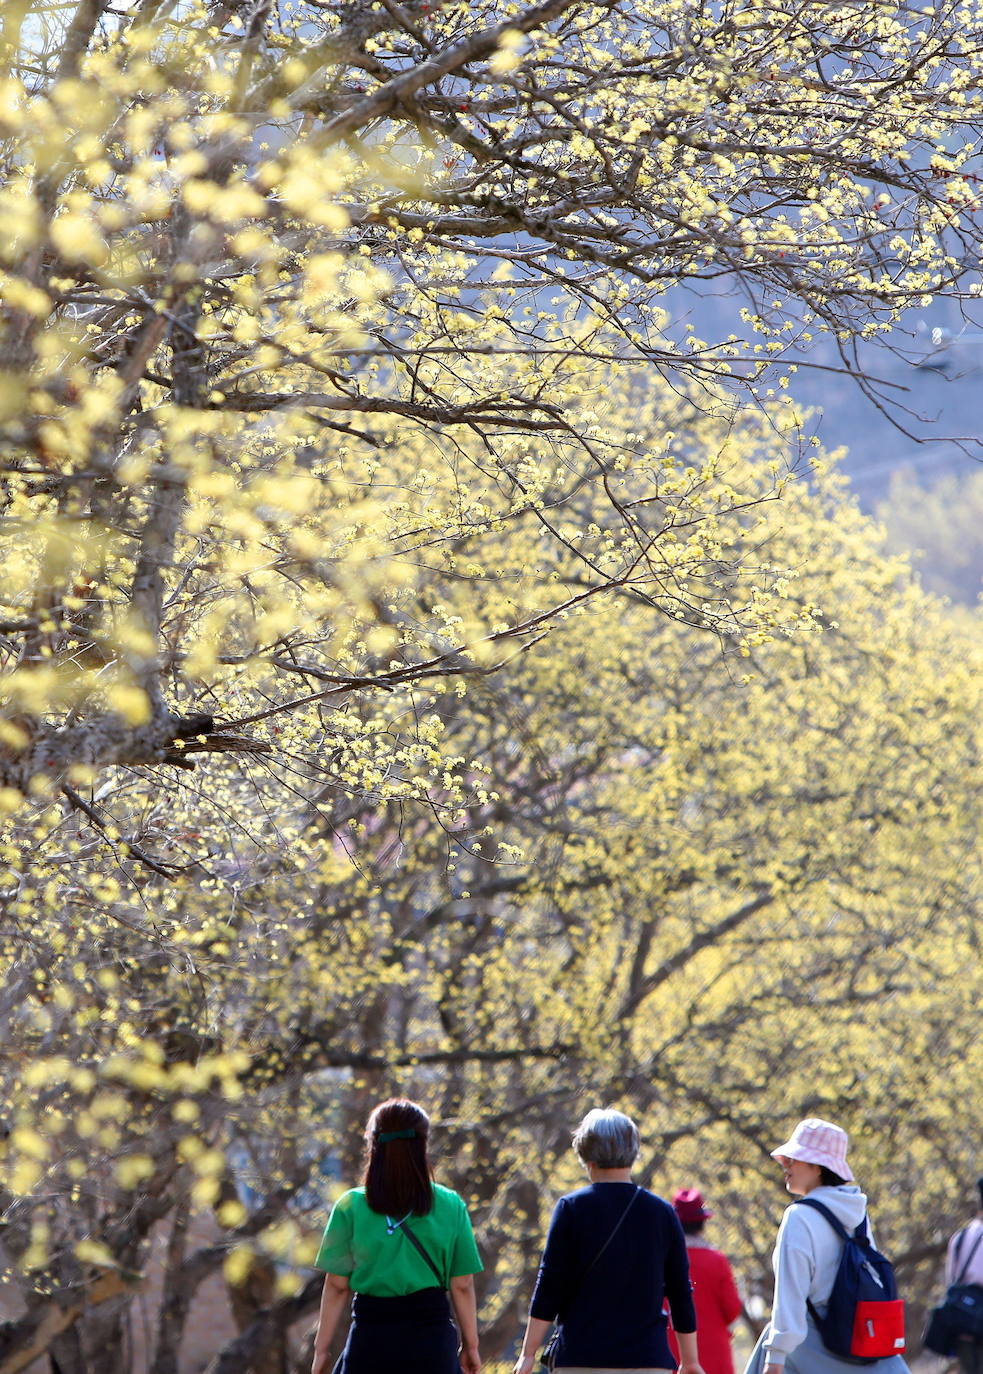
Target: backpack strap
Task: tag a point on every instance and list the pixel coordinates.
(859, 1235)
(833, 1220)
(959, 1271)
(862, 1235)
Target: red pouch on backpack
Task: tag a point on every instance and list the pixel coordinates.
(878, 1329)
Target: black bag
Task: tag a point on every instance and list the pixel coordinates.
(938, 1335)
(960, 1314)
(548, 1358)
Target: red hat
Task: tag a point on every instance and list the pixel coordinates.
(689, 1206)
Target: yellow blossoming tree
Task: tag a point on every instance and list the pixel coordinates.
(426, 664)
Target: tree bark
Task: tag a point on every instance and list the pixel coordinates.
(23, 1340)
(265, 1332)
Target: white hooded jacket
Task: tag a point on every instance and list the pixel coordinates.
(806, 1257)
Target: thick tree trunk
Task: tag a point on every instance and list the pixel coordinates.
(179, 1289)
(103, 1337)
(23, 1340)
(249, 1302)
(265, 1333)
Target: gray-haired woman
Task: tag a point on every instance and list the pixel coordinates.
(613, 1253)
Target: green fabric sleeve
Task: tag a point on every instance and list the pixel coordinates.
(335, 1253)
(464, 1258)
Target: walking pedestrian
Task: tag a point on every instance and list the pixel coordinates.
(399, 1243)
(718, 1303)
(613, 1253)
(807, 1255)
(964, 1265)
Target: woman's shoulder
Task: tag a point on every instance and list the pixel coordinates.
(807, 1223)
(846, 1203)
(350, 1200)
(655, 1203)
(446, 1199)
(798, 1220)
(643, 1200)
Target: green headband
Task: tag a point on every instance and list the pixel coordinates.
(385, 1136)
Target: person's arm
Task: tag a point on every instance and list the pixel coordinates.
(552, 1285)
(334, 1295)
(689, 1360)
(466, 1312)
(678, 1288)
(535, 1334)
(463, 1263)
(679, 1291)
(794, 1271)
(556, 1278)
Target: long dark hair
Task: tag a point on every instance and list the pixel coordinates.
(397, 1174)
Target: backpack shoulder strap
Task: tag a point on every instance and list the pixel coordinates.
(960, 1270)
(831, 1217)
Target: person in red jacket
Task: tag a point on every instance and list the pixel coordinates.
(715, 1295)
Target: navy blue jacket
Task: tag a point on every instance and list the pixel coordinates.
(614, 1317)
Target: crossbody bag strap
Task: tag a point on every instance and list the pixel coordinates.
(963, 1269)
(617, 1227)
(417, 1244)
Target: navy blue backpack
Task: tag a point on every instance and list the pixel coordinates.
(864, 1318)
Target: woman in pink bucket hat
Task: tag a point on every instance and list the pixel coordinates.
(807, 1255)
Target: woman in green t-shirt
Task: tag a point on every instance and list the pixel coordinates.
(398, 1244)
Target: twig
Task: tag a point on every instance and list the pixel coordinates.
(165, 870)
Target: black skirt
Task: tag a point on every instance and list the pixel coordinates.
(413, 1334)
